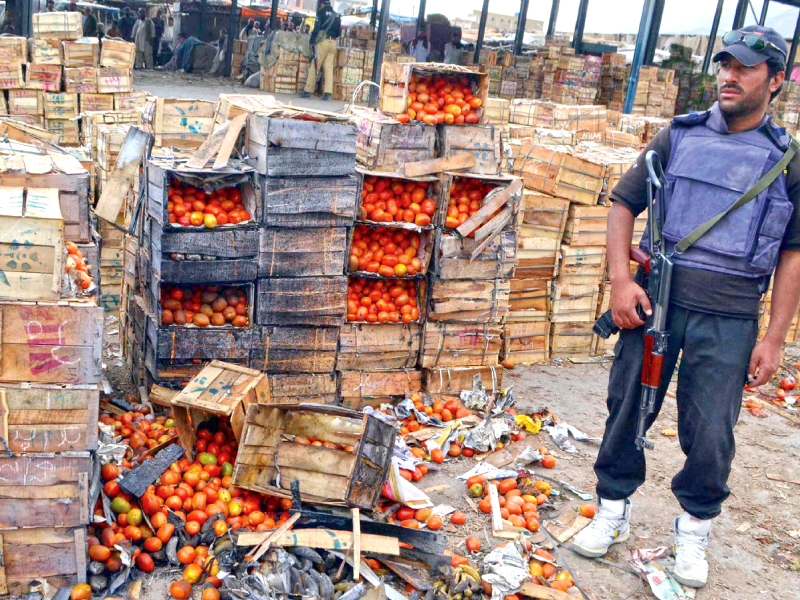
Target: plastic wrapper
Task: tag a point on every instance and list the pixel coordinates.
(486, 435)
(506, 570)
(560, 432)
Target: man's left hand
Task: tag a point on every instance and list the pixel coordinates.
(764, 361)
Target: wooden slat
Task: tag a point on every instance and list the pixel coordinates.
(326, 539)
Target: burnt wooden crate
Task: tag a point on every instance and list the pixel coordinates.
(285, 144)
(368, 347)
(460, 345)
(221, 389)
(294, 349)
(294, 252)
(320, 301)
(482, 141)
(296, 388)
(49, 418)
(55, 555)
(496, 261)
(325, 475)
(153, 286)
(373, 388)
(469, 301)
(526, 343)
(385, 144)
(452, 381)
(51, 342)
(308, 201)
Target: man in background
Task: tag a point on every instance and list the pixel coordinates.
(126, 24)
(327, 29)
(143, 34)
(452, 51)
(158, 24)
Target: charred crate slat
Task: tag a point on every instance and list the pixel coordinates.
(385, 144)
(221, 389)
(496, 260)
(49, 418)
(483, 141)
(325, 475)
(294, 388)
(453, 380)
(365, 347)
(293, 252)
(359, 388)
(320, 301)
(308, 201)
(294, 349)
(282, 146)
(460, 345)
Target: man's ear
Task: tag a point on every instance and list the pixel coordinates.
(777, 81)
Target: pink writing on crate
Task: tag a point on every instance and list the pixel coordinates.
(42, 329)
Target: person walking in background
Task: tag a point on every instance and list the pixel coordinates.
(420, 48)
(452, 51)
(327, 29)
(143, 34)
(247, 30)
(158, 27)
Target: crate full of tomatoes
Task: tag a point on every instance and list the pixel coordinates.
(387, 199)
(382, 301)
(395, 250)
(206, 306)
(433, 93)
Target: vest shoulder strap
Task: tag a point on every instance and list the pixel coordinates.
(693, 118)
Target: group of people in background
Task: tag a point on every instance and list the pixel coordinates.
(420, 49)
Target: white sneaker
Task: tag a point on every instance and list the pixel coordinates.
(691, 539)
(611, 525)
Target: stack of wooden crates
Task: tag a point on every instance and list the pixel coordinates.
(50, 367)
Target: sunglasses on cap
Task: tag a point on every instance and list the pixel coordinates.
(752, 41)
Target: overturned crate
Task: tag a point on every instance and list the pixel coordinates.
(350, 470)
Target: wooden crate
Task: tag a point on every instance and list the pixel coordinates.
(92, 120)
(436, 186)
(359, 388)
(311, 252)
(544, 113)
(286, 145)
(4, 111)
(368, 347)
(326, 475)
(469, 301)
(575, 303)
(35, 121)
(32, 251)
(13, 50)
(296, 388)
(584, 265)
(46, 51)
(51, 554)
(25, 102)
(526, 343)
(497, 111)
(117, 53)
(586, 225)
(452, 381)
(49, 418)
(58, 25)
(125, 101)
(542, 216)
(111, 80)
(571, 341)
(483, 141)
(62, 105)
(68, 131)
(221, 389)
(11, 77)
(395, 78)
(320, 301)
(496, 261)
(529, 299)
(183, 124)
(83, 52)
(385, 144)
(231, 106)
(97, 102)
(43, 77)
(82, 80)
(558, 171)
(294, 349)
(460, 345)
(299, 202)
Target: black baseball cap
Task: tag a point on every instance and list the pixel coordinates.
(775, 46)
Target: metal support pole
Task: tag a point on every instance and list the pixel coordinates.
(273, 16)
(380, 45)
(577, 38)
(652, 39)
(551, 26)
(638, 54)
(481, 31)
(201, 21)
(421, 16)
(741, 13)
(712, 37)
(793, 50)
(373, 17)
(523, 17)
(233, 33)
(764, 8)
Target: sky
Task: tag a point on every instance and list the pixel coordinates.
(616, 16)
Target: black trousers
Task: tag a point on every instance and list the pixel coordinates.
(712, 373)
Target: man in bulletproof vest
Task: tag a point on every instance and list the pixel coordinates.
(710, 160)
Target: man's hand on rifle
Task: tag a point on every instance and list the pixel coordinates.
(626, 295)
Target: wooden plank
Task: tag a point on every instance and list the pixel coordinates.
(231, 136)
(495, 202)
(313, 458)
(3, 582)
(325, 539)
(575, 527)
(356, 543)
(209, 148)
(439, 165)
(277, 533)
(494, 502)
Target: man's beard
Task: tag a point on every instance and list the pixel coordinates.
(749, 103)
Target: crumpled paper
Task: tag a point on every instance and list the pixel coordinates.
(488, 471)
(560, 432)
(405, 492)
(485, 435)
(442, 441)
(405, 408)
(526, 457)
(506, 570)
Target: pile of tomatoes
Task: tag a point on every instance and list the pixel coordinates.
(444, 99)
(386, 251)
(140, 431)
(191, 207)
(76, 262)
(443, 410)
(388, 199)
(466, 197)
(415, 519)
(203, 306)
(379, 301)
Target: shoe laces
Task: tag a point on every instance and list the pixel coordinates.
(605, 522)
(691, 547)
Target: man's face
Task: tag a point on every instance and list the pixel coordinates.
(742, 89)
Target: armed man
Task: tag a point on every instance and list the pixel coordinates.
(730, 194)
